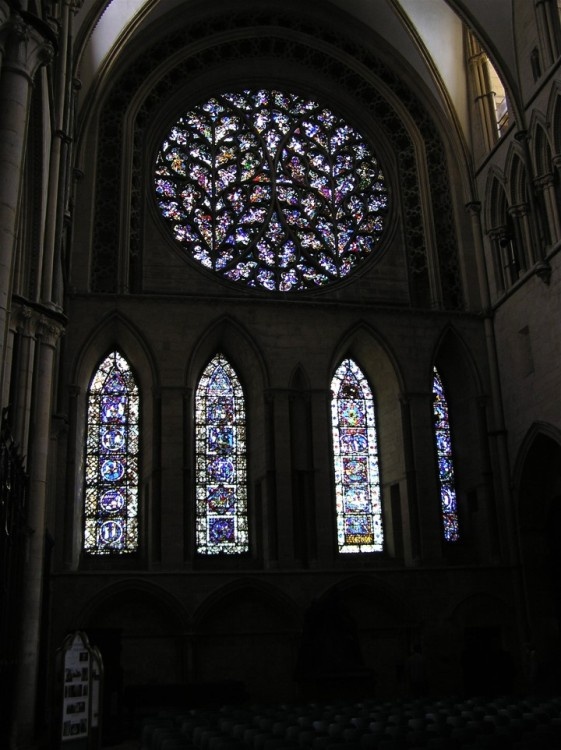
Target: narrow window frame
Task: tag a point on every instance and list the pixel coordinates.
(363, 454)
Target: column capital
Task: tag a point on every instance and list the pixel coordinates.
(24, 319)
(544, 181)
(27, 43)
(473, 208)
(518, 211)
(407, 397)
(49, 330)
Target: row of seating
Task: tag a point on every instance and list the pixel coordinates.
(531, 723)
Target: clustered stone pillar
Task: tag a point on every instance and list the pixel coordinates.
(25, 48)
(26, 43)
(497, 431)
(47, 335)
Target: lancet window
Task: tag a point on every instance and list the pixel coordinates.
(221, 473)
(443, 442)
(355, 456)
(112, 460)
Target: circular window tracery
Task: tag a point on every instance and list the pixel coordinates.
(271, 190)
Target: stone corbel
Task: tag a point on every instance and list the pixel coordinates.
(543, 271)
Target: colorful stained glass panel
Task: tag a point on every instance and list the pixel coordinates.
(221, 491)
(111, 476)
(269, 172)
(443, 443)
(357, 480)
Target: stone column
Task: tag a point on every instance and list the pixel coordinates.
(173, 495)
(57, 186)
(546, 184)
(496, 425)
(283, 476)
(27, 45)
(23, 730)
(20, 409)
(423, 487)
(526, 251)
(548, 30)
(324, 483)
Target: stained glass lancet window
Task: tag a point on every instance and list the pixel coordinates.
(446, 477)
(220, 444)
(112, 454)
(355, 452)
(271, 190)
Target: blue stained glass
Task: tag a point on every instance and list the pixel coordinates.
(220, 439)
(221, 531)
(112, 500)
(111, 533)
(357, 480)
(113, 438)
(221, 500)
(220, 484)
(443, 444)
(221, 470)
(113, 408)
(111, 471)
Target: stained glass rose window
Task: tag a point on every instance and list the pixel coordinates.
(271, 190)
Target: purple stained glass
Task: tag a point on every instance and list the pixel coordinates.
(221, 530)
(112, 444)
(221, 500)
(445, 463)
(221, 483)
(357, 480)
(274, 170)
(221, 470)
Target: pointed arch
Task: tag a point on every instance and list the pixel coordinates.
(221, 516)
(112, 459)
(495, 200)
(460, 440)
(518, 182)
(355, 457)
(554, 117)
(542, 149)
(232, 339)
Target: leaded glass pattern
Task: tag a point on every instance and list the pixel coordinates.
(220, 444)
(271, 190)
(112, 455)
(443, 441)
(355, 453)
